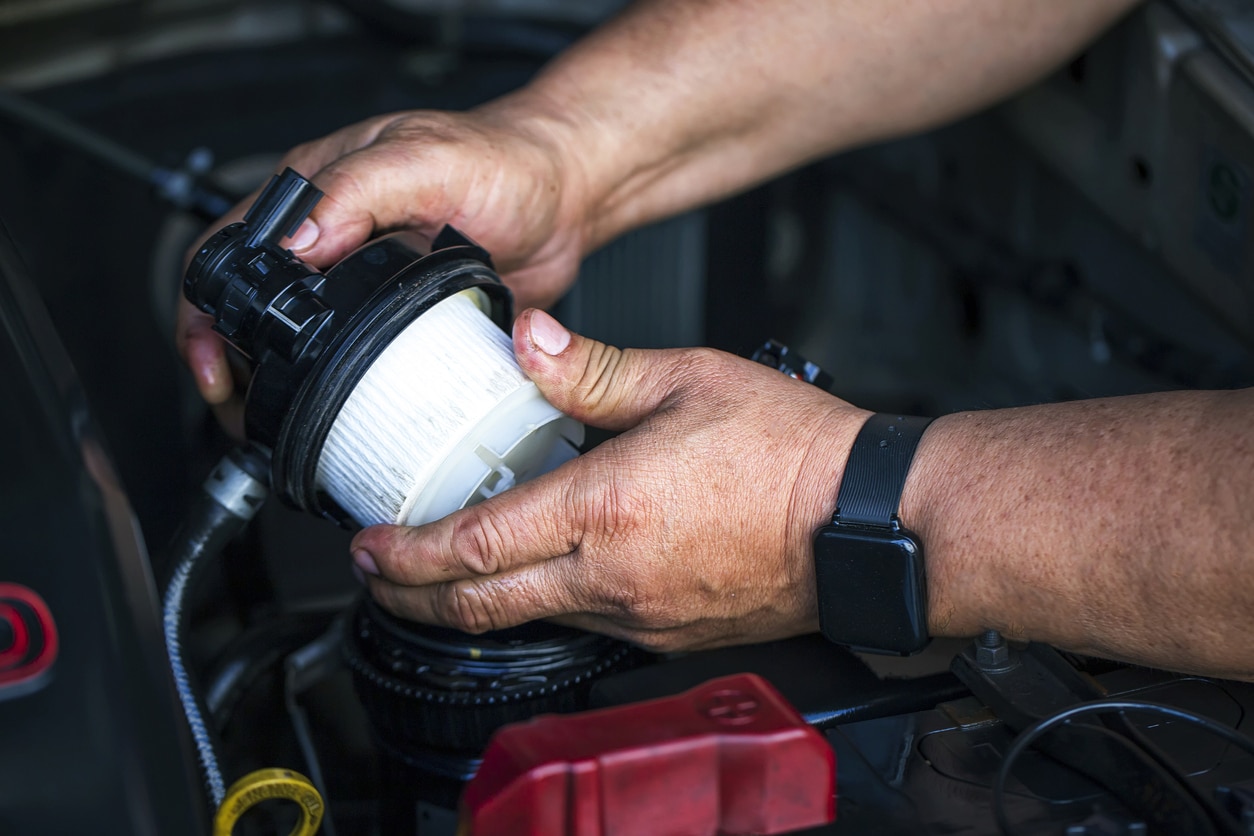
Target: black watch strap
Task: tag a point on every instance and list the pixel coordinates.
(875, 474)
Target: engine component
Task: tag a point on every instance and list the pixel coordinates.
(383, 388)
(1026, 686)
(436, 696)
(781, 358)
(1157, 803)
(730, 756)
(232, 495)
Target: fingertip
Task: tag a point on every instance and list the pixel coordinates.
(326, 239)
(209, 384)
(365, 562)
(373, 542)
(306, 237)
(589, 380)
(541, 343)
(346, 217)
(520, 331)
(547, 334)
(209, 368)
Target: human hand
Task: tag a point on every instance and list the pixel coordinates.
(691, 529)
(501, 174)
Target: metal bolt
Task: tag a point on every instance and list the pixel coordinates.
(991, 651)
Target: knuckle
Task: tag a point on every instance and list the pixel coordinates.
(466, 606)
(613, 509)
(478, 543)
(372, 130)
(627, 604)
(705, 357)
(708, 365)
(388, 597)
(407, 127)
(299, 155)
(624, 597)
(343, 181)
(597, 376)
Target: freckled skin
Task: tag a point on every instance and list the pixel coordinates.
(1061, 523)
(1118, 527)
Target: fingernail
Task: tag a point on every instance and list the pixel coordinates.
(365, 562)
(548, 335)
(208, 377)
(305, 237)
(359, 575)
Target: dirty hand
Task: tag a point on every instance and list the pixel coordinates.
(690, 529)
(500, 174)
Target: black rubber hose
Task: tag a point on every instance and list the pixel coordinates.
(254, 653)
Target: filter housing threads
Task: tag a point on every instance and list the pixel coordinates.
(316, 339)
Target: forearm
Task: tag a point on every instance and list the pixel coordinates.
(1117, 527)
(679, 102)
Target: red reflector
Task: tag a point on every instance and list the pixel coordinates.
(16, 632)
(728, 757)
(32, 646)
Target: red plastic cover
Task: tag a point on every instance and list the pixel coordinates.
(728, 757)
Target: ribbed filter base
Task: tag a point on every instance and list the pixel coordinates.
(442, 418)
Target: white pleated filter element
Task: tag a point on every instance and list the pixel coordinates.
(442, 419)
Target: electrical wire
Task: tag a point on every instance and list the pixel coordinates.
(1035, 732)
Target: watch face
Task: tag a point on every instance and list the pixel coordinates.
(872, 594)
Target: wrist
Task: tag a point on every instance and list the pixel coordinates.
(644, 151)
(554, 127)
(816, 489)
(869, 569)
(929, 508)
(813, 497)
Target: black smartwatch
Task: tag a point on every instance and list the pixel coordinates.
(868, 568)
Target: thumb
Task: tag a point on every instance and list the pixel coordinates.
(598, 384)
(363, 195)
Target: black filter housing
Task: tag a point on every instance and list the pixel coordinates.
(436, 696)
(311, 336)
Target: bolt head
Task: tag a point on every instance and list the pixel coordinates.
(993, 657)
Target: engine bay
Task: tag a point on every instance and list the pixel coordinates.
(1091, 237)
